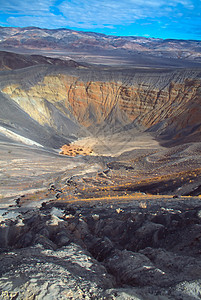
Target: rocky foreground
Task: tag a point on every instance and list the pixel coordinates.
(121, 226)
(146, 248)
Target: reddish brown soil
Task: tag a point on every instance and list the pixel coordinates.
(74, 150)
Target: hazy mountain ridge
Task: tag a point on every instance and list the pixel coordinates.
(71, 40)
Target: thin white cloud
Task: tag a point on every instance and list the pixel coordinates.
(28, 7)
(160, 3)
(96, 13)
(100, 13)
(38, 21)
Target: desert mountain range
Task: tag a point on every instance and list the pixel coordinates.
(87, 46)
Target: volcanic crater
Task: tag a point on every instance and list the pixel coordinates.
(100, 181)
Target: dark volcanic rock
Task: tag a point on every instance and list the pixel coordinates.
(135, 269)
(149, 234)
(177, 267)
(84, 251)
(68, 273)
(62, 239)
(44, 242)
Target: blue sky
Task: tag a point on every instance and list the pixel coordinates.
(148, 18)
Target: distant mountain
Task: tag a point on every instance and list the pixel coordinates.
(34, 38)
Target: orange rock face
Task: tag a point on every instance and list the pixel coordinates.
(91, 102)
(74, 150)
(178, 104)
